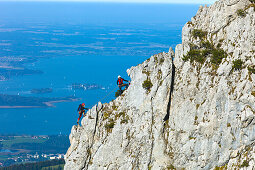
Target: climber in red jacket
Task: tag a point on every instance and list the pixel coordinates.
(121, 84)
(81, 110)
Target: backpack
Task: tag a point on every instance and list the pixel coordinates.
(79, 108)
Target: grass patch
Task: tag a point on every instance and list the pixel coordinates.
(124, 121)
(241, 13)
(253, 93)
(170, 167)
(156, 59)
(190, 23)
(146, 72)
(110, 125)
(198, 33)
(221, 168)
(195, 55)
(159, 76)
(161, 61)
(251, 69)
(206, 50)
(217, 56)
(120, 114)
(106, 115)
(237, 64)
(244, 164)
(8, 143)
(147, 85)
(190, 138)
(115, 107)
(55, 167)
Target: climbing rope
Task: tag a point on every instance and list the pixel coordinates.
(108, 94)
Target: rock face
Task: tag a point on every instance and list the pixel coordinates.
(197, 112)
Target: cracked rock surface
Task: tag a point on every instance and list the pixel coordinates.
(127, 132)
(209, 109)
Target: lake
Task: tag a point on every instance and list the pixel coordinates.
(51, 45)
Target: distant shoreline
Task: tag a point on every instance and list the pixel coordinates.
(16, 107)
(51, 103)
(47, 104)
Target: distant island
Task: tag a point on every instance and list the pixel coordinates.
(41, 91)
(80, 86)
(15, 66)
(16, 101)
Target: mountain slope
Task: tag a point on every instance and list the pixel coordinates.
(206, 97)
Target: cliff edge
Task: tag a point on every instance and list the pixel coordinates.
(192, 109)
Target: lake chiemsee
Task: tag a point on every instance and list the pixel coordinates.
(47, 47)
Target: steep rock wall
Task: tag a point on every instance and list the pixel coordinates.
(213, 108)
(207, 104)
(127, 132)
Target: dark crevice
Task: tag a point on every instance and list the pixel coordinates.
(171, 92)
(152, 137)
(89, 149)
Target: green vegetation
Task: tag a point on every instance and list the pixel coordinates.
(45, 165)
(124, 117)
(190, 138)
(241, 13)
(252, 1)
(251, 69)
(124, 121)
(253, 93)
(245, 164)
(206, 50)
(199, 33)
(161, 61)
(221, 168)
(146, 72)
(156, 59)
(147, 85)
(220, 43)
(106, 115)
(110, 125)
(114, 107)
(55, 144)
(120, 114)
(190, 23)
(237, 64)
(55, 167)
(21, 139)
(217, 56)
(195, 55)
(159, 75)
(170, 167)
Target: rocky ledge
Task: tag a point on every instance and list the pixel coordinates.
(196, 112)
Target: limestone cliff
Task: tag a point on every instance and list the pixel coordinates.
(194, 112)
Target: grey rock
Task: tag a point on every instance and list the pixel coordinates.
(208, 110)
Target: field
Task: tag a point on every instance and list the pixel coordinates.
(56, 167)
(7, 143)
(21, 139)
(28, 148)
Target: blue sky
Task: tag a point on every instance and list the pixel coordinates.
(130, 1)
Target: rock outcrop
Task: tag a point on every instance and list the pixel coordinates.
(196, 112)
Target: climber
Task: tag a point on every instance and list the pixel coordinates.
(120, 84)
(81, 110)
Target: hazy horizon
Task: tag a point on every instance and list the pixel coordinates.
(123, 1)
